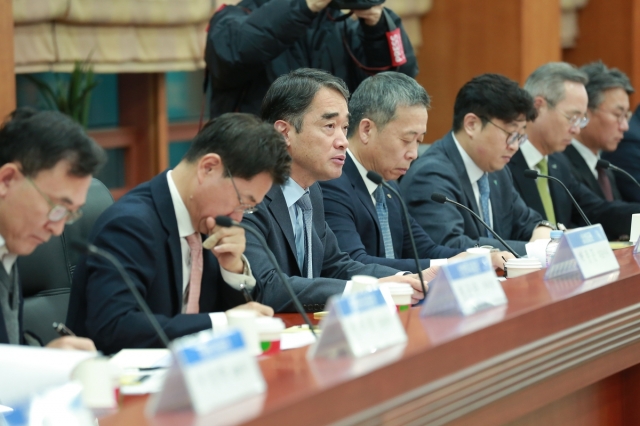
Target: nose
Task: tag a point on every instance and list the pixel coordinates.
(55, 228)
(624, 125)
(412, 154)
(237, 216)
(574, 130)
(341, 141)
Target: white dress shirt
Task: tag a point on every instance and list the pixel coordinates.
(8, 259)
(185, 228)
(371, 187)
(589, 157)
(474, 173)
(531, 155)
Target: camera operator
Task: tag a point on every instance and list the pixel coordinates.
(251, 44)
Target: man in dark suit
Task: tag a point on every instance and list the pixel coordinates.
(46, 165)
(467, 166)
(388, 122)
(156, 232)
(309, 108)
(608, 113)
(561, 100)
(627, 157)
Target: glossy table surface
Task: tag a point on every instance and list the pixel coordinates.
(440, 349)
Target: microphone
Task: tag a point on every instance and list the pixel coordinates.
(227, 222)
(90, 249)
(604, 164)
(440, 198)
(377, 179)
(533, 174)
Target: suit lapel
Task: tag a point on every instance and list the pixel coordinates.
(277, 205)
(4, 337)
(528, 188)
(361, 190)
(585, 174)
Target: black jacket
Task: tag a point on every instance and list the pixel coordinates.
(255, 42)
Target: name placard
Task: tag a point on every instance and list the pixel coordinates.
(358, 324)
(464, 287)
(209, 372)
(636, 248)
(583, 251)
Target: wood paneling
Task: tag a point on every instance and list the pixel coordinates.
(465, 38)
(610, 30)
(7, 74)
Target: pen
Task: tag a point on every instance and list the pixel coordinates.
(245, 293)
(62, 329)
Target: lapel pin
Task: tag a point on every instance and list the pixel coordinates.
(388, 195)
(553, 166)
(495, 182)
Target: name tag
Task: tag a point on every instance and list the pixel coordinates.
(463, 288)
(209, 372)
(583, 251)
(358, 324)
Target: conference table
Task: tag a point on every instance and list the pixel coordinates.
(561, 352)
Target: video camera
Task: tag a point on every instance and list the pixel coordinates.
(354, 4)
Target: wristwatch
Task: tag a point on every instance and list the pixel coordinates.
(547, 224)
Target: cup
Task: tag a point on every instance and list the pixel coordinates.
(516, 267)
(245, 321)
(270, 332)
(480, 251)
(360, 283)
(401, 295)
(635, 228)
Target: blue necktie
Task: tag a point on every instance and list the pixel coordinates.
(303, 243)
(383, 218)
(483, 186)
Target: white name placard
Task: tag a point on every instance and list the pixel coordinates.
(357, 325)
(583, 251)
(636, 248)
(209, 372)
(464, 287)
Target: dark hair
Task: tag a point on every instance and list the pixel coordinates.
(602, 79)
(378, 97)
(290, 96)
(38, 140)
(247, 146)
(492, 96)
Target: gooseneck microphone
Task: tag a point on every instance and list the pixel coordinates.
(90, 249)
(604, 164)
(227, 222)
(440, 198)
(533, 174)
(377, 179)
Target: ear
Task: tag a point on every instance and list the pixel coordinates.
(366, 130)
(8, 174)
(471, 124)
(210, 164)
(284, 128)
(539, 102)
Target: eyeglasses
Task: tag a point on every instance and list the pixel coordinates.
(58, 212)
(579, 121)
(620, 117)
(243, 207)
(512, 137)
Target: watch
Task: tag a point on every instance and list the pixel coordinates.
(547, 224)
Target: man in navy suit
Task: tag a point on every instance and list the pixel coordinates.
(608, 113)
(46, 165)
(156, 231)
(388, 122)
(309, 108)
(560, 97)
(468, 166)
(627, 157)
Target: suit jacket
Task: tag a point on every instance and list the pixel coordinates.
(615, 216)
(141, 231)
(331, 267)
(4, 336)
(441, 169)
(351, 215)
(627, 157)
(583, 174)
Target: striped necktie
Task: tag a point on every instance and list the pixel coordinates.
(383, 218)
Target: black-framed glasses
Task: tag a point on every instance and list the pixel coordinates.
(58, 212)
(243, 207)
(579, 121)
(512, 137)
(620, 117)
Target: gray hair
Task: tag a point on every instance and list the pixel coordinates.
(548, 81)
(602, 79)
(379, 96)
(290, 95)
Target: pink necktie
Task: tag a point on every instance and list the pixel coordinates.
(195, 244)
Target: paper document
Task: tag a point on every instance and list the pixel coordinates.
(128, 359)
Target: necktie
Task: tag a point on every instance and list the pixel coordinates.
(383, 218)
(605, 183)
(543, 190)
(193, 292)
(304, 203)
(483, 186)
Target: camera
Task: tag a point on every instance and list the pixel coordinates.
(354, 4)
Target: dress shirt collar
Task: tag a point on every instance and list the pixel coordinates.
(531, 155)
(589, 157)
(371, 187)
(292, 192)
(473, 171)
(8, 259)
(185, 227)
